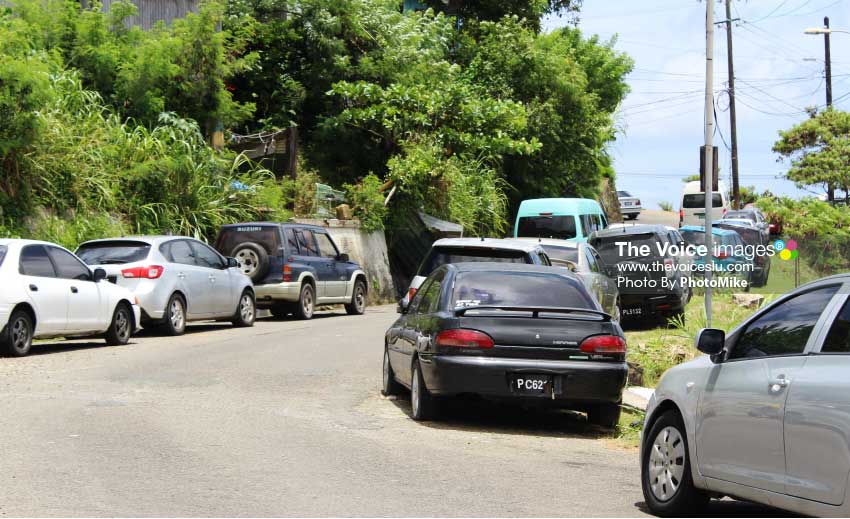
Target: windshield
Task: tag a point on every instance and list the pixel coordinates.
(694, 237)
(563, 227)
(697, 201)
(607, 246)
(741, 215)
(536, 289)
(562, 253)
(441, 255)
(113, 252)
(3, 249)
(623, 194)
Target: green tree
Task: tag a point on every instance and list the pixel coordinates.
(818, 151)
(494, 10)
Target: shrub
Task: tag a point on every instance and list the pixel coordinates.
(666, 206)
(368, 202)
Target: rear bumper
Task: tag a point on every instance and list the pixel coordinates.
(574, 382)
(651, 305)
(287, 291)
(631, 210)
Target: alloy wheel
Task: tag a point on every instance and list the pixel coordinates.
(666, 463)
(177, 317)
(414, 392)
(386, 371)
(122, 324)
(359, 298)
(307, 303)
(246, 308)
(20, 334)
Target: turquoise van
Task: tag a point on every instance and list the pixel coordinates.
(563, 218)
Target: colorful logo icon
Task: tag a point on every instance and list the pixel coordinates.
(787, 251)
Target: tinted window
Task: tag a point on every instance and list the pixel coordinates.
(697, 201)
(67, 266)
(563, 227)
(2, 253)
(206, 257)
(607, 247)
(838, 340)
(440, 256)
(784, 329)
(34, 262)
(265, 235)
(326, 246)
(591, 261)
(113, 252)
(519, 289)
(178, 251)
(291, 240)
(744, 215)
(307, 243)
(431, 298)
(562, 253)
(623, 194)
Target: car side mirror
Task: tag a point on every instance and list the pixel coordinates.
(710, 341)
(98, 275)
(232, 263)
(343, 257)
(402, 307)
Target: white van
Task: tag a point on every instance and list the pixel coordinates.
(692, 208)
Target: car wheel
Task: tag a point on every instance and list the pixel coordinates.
(175, 316)
(422, 405)
(19, 332)
(306, 302)
(246, 312)
(604, 415)
(121, 328)
(668, 487)
(390, 386)
(253, 260)
(357, 306)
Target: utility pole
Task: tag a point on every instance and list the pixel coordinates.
(830, 192)
(709, 150)
(733, 119)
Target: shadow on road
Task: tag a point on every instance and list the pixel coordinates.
(730, 508)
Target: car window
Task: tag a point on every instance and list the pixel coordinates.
(562, 227)
(67, 266)
(599, 262)
(785, 328)
(307, 243)
(113, 252)
(266, 236)
(326, 246)
(431, 297)
(591, 261)
(838, 339)
(417, 299)
(534, 289)
(178, 251)
(291, 240)
(439, 256)
(562, 253)
(3, 249)
(544, 259)
(607, 247)
(206, 257)
(35, 262)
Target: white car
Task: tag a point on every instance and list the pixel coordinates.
(764, 417)
(692, 205)
(48, 292)
(629, 205)
(176, 279)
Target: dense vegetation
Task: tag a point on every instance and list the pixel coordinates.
(105, 126)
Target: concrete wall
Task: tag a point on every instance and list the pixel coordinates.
(367, 249)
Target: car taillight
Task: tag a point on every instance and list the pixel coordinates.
(638, 202)
(681, 215)
(151, 272)
(410, 294)
(722, 255)
(724, 211)
(603, 344)
(460, 338)
(287, 273)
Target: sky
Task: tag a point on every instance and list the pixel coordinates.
(779, 71)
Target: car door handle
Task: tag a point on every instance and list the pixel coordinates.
(779, 383)
(181, 275)
(74, 290)
(34, 288)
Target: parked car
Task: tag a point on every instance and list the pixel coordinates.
(730, 257)
(294, 267)
(652, 286)
(589, 266)
(462, 250)
(523, 333)
(774, 224)
(752, 217)
(692, 208)
(753, 237)
(562, 218)
(629, 205)
(48, 292)
(763, 417)
(176, 280)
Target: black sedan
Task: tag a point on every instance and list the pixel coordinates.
(524, 333)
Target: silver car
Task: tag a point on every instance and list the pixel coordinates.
(629, 205)
(764, 417)
(176, 280)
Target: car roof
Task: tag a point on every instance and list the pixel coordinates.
(843, 277)
(482, 266)
(630, 229)
(20, 241)
(538, 205)
(553, 242)
(152, 239)
(487, 243)
(700, 228)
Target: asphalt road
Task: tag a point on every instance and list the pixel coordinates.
(283, 419)
(655, 216)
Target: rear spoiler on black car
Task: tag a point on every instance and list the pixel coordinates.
(534, 310)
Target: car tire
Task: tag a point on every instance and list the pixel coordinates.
(389, 385)
(253, 260)
(357, 306)
(604, 415)
(246, 310)
(306, 302)
(422, 404)
(121, 328)
(19, 331)
(666, 477)
(174, 323)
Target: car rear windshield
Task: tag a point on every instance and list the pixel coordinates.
(440, 256)
(607, 247)
(113, 252)
(741, 215)
(562, 253)
(698, 238)
(697, 201)
(563, 227)
(266, 236)
(3, 250)
(536, 289)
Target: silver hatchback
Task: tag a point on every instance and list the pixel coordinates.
(176, 279)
